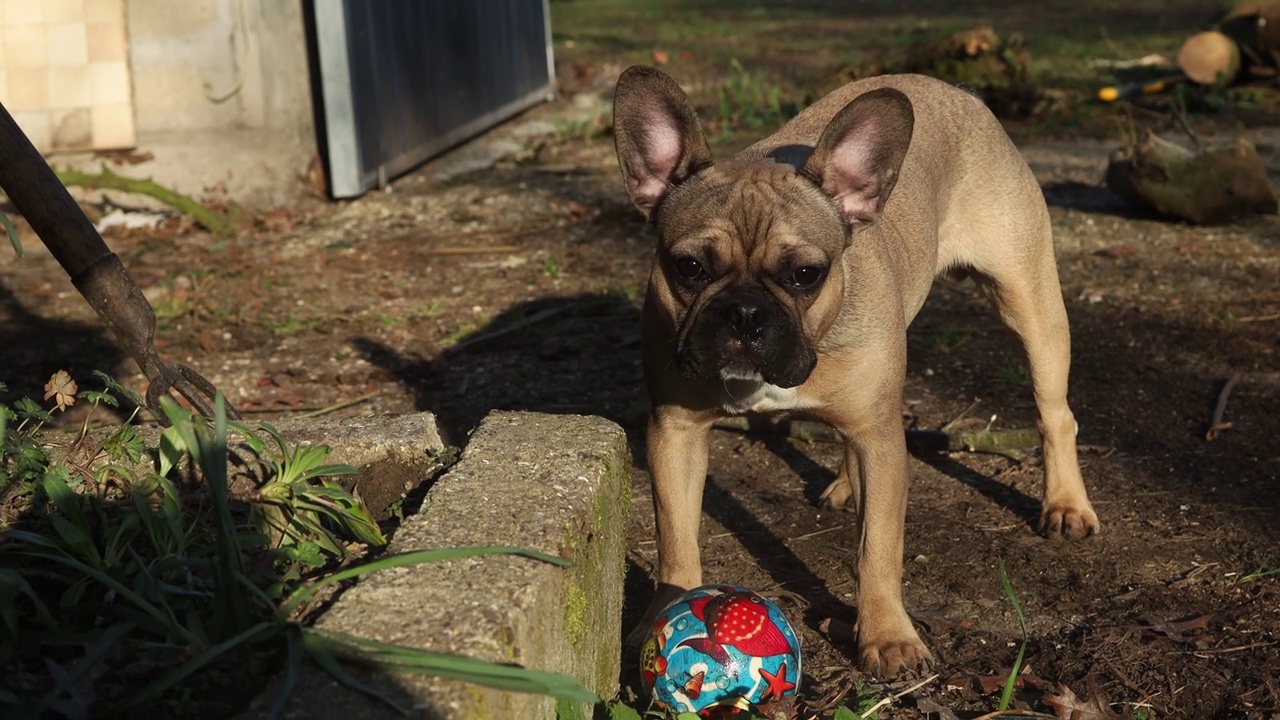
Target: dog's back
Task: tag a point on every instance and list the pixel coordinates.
(965, 198)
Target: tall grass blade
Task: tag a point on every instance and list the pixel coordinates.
(177, 675)
(111, 637)
(319, 652)
(512, 678)
(303, 595)
(1007, 695)
(121, 590)
(294, 652)
(231, 614)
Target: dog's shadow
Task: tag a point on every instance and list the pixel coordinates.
(922, 445)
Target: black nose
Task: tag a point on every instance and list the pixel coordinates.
(747, 319)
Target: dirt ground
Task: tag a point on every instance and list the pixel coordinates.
(519, 286)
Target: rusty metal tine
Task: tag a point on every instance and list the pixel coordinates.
(195, 388)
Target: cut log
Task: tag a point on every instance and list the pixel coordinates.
(1209, 57)
(1206, 186)
(1014, 443)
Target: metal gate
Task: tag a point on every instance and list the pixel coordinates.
(403, 80)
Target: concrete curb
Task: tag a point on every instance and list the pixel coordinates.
(555, 483)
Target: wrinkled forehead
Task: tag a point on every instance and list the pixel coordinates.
(756, 207)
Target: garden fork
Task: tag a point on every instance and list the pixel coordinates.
(95, 271)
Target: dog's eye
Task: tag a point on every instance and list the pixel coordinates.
(691, 269)
(806, 277)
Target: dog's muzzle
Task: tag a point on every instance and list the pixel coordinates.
(745, 332)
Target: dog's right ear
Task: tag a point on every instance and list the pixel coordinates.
(657, 135)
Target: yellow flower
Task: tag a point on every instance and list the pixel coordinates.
(62, 389)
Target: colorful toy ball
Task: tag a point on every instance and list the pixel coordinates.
(719, 650)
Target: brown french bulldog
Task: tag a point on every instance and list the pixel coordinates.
(785, 279)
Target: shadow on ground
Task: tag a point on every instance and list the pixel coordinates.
(33, 347)
(577, 354)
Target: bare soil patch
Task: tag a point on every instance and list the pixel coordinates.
(519, 287)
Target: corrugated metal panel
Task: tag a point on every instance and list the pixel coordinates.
(403, 80)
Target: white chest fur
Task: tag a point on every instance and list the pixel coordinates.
(744, 395)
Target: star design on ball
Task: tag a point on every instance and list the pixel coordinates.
(778, 684)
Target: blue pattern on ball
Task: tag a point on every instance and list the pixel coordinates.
(720, 646)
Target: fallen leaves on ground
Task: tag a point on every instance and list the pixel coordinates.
(1181, 631)
(1069, 706)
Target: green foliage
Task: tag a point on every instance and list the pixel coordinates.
(1261, 573)
(12, 233)
(118, 585)
(747, 102)
(1013, 373)
(297, 505)
(1007, 694)
(944, 340)
(551, 268)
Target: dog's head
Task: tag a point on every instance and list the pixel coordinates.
(749, 260)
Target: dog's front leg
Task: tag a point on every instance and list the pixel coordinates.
(887, 642)
(677, 453)
(867, 414)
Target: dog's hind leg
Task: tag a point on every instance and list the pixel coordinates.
(1024, 287)
(843, 492)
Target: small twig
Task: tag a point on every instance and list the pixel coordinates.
(1216, 425)
(518, 325)
(1001, 528)
(816, 533)
(1009, 443)
(894, 698)
(959, 418)
(509, 232)
(1226, 651)
(1190, 575)
(334, 407)
(482, 250)
(1259, 318)
(108, 180)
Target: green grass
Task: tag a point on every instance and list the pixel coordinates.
(1006, 696)
(293, 324)
(1261, 573)
(1012, 373)
(944, 340)
(426, 310)
(799, 46)
(459, 333)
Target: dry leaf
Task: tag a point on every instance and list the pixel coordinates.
(62, 389)
(660, 57)
(1178, 630)
(932, 709)
(1069, 706)
(938, 622)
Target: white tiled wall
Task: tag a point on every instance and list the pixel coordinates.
(64, 73)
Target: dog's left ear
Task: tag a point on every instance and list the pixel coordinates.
(857, 159)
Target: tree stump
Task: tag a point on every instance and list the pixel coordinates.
(1209, 185)
(1209, 57)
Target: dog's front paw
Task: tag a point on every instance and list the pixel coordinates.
(1070, 520)
(837, 495)
(888, 652)
(663, 596)
(888, 645)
